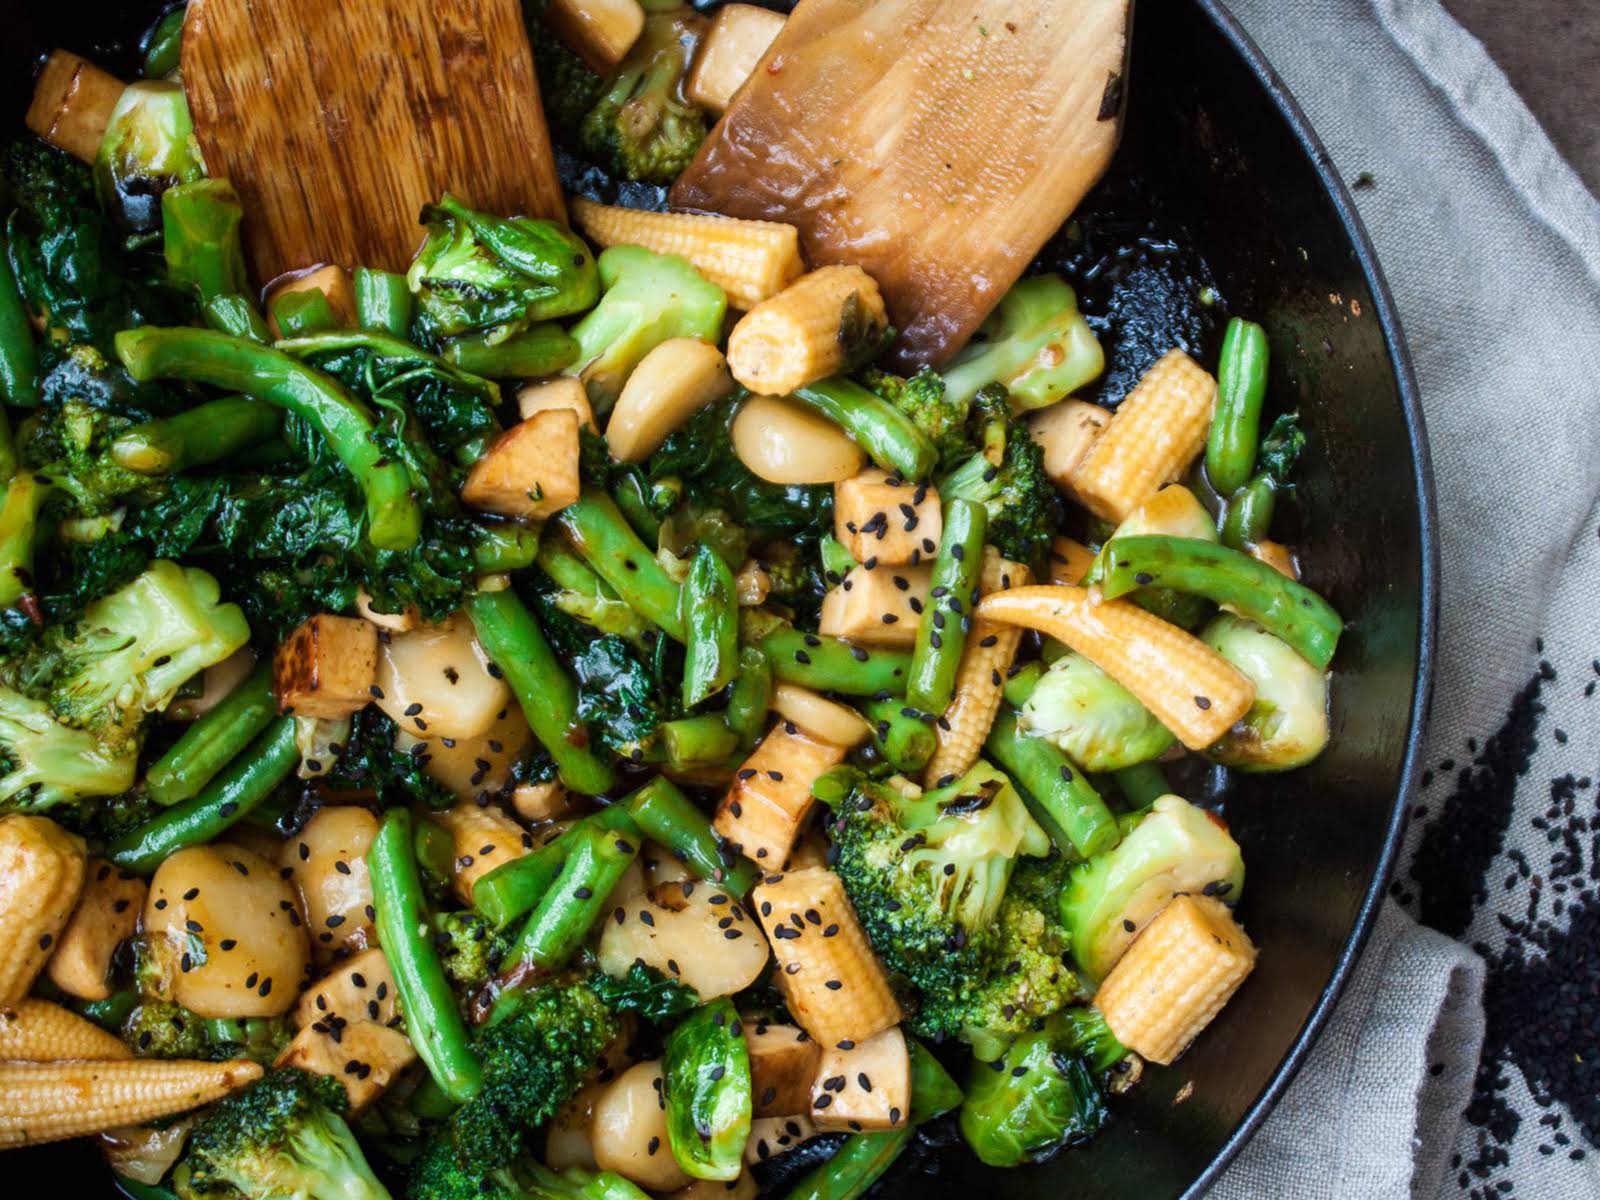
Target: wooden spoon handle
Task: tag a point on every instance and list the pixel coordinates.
(336, 120)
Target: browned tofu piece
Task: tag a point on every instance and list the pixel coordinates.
(359, 988)
(548, 801)
(531, 471)
(567, 391)
(1066, 432)
(1070, 561)
(326, 667)
(72, 103)
(865, 1086)
(485, 837)
(738, 38)
(783, 1065)
(877, 607)
(332, 281)
(108, 911)
(885, 521)
(364, 1056)
(327, 860)
(769, 800)
(600, 32)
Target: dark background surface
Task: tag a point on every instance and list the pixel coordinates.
(1206, 136)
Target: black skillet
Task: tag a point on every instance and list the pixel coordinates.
(1220, 182)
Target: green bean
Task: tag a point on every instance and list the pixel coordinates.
(19, 532)
(701, 741)
(228, 797)
(435, 848)
(200, 238)
(750, 697)
(559, 923)
(942, 628)
(1241, 389)
(111, 1012)
(667, 816)
(213, 740)
(514, 887)
(837, 561)
(607, 543)
(236, 316)
(433, 1023)
(132, 1188)
(1142, 784)
(1020, 683)
(709, 614)
(19, 358)
(890, 438)
(903, 735)
(206, 433)
(504, 547)
(383, 301)
(541, 350)
(163, 44)
(394, 518)
(835, 665)
(629, 490)
(1288, 610)
(1055, 789)
(302, 313)
(513, 640)
(1248, 516)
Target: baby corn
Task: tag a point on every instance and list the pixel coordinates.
(46, 1102)
(806, 332)
(39, 1031)
(750, 260)
(41, 877)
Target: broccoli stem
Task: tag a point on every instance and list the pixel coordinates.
(1249, 513)
(1142, 784)
(890, 438)
(226, 798)
(200, 238)
(667, 816)
(607, 543)
(834, 665)
(1241, 390)
(19, 359)
(204, 434)
(214, 740)
(394, 518)
(1288, 610)
(383, 301)
(19, 524)
(556, 929)
(433, 1023)
(709, 613)
(546, 692)
(236, 316)
(903, 735)
(541, 350)
(505, 547)
(750, 697)
(698, 741)
(302, 314)
(942, 628)
(1055, 790)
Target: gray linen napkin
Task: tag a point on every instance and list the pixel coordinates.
(1492, 248)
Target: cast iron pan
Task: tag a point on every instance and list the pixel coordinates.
(1220, 182)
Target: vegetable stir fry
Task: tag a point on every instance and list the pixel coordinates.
(563, 722)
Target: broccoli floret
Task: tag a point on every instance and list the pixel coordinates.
(72, 707)
(70, 445)
(929, 877)
(470, 948)
(162, 1029)
(281, 1136)
(958, 426)
(641, 127)
(1035, 343)
(437, 1176)
(1024, 509)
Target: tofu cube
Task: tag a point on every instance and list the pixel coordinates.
(332, 281)
(364, 1056)
(565, 392)
(548, 801)
(770, 797)
(1066, 432)
(359, 988)
(72, 104)
(485, 837)
(531, 471)
(885, 521)
(107, 912)
(739, 38)
(475, 767)
(600, 32)
(877, 607)
(326, 667)
(1070, 561)
(783, 1064)
(865, 1086)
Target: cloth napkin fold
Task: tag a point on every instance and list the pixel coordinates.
(1491, 246)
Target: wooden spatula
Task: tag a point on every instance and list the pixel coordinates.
(937, 143)
(336, 120)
